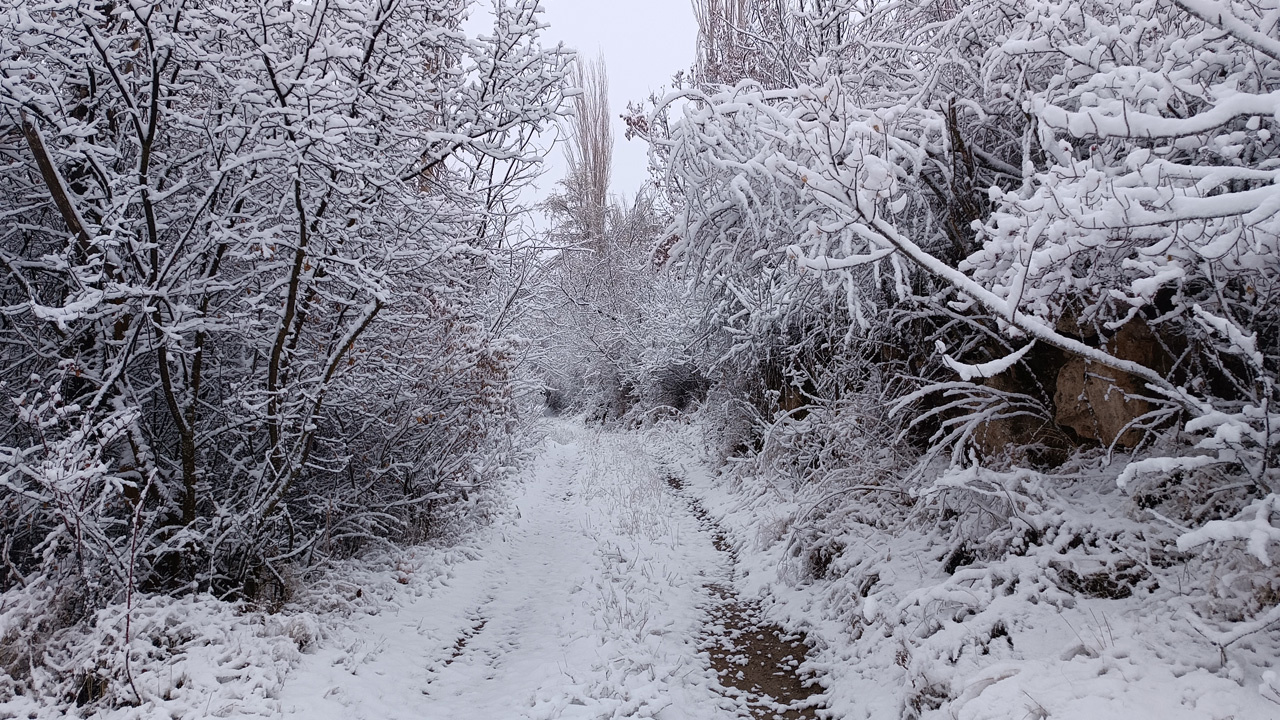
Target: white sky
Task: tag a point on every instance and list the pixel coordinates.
(644, 43)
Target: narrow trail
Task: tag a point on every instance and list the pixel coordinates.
(606, 596)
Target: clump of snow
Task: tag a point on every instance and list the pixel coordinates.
(1258, 532)
(968, 372)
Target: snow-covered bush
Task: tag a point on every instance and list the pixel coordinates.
(248, 251)
(1050, 228)
(1152, 206)
(620, 332)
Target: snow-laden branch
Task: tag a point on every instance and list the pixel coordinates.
(1259, 533)
(1219, 14)
(988, 369)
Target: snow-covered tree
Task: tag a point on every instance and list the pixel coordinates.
(246, 249)
(616, 328)
(1051, 222)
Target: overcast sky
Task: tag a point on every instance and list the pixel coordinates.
(644, 43)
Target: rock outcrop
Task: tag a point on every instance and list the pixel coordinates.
(1097, 402)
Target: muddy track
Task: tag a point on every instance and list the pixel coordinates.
(756, 661)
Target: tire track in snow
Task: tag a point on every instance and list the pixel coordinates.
(588, 605)
(525, 627)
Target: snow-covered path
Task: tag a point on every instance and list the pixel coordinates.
(588, 604)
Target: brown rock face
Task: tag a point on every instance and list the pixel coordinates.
(1097, 402)
(1024, 437)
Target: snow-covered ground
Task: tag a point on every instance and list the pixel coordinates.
(593, 597)
(897, 636)
(588, 603)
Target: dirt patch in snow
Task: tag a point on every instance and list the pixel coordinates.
(759, 660)
(755, 661)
